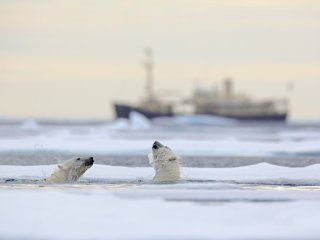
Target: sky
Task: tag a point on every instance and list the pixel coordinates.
(70, 59)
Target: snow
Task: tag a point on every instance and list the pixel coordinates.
(99, 215)
(253, 202)
(113, 144)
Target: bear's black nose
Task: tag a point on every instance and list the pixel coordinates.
(156, 145)
(91, 159)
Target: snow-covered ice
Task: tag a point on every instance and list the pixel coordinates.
(253, 202)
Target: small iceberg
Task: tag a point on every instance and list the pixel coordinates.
(138, 121)
(30, 124)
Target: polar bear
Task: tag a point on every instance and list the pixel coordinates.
(165, 162)
(71, 170)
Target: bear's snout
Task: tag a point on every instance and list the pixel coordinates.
(156, 145)
(89, 162)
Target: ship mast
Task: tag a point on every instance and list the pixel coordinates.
(148, 65)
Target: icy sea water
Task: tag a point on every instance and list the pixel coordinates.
(127, 143)
(238, 181)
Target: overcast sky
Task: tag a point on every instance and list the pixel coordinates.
(74, 58)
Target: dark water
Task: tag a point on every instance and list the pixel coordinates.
(29, 158)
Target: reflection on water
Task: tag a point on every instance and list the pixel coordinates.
(64, 186)
(193, 191)
(191, 184)
(282, 187)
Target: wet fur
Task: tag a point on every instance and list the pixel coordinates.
(70, 170)
(166, 164)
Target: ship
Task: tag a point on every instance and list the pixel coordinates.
(223, 102)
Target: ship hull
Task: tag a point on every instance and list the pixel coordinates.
(123, 111)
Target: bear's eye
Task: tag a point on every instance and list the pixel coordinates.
(78, 159)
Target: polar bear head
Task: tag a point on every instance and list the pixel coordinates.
(165, 162)
(71, 170)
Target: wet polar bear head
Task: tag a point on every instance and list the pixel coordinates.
(165, 162)
(71, 170)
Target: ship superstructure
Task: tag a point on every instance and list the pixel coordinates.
(223, 103)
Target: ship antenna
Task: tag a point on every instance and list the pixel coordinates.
(148, 64)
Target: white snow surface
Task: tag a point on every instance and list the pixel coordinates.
(252, 202)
